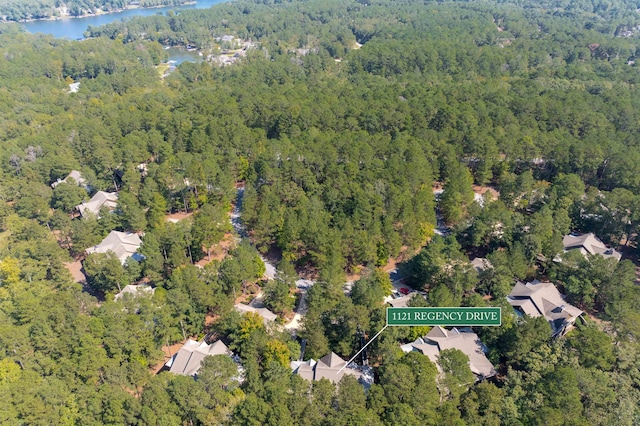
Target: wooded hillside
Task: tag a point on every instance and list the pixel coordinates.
(342, 124)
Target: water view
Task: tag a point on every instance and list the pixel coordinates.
(74, 28)
(179, 55)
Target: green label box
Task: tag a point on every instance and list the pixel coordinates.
(444, 316)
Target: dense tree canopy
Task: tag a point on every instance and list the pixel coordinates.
(330, 138)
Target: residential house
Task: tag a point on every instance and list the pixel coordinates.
(401, 302)
(266, 314)
(330, 367)
(542, 299)
(135, 290)
(589, 244)
(481, 264)
(97, 202)
(75, 175)
(189, 358)
(480, 193)
(143, 168)
(122, 244)
(468, 343)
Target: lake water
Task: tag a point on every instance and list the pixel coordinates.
(180, 55)
(73, 28)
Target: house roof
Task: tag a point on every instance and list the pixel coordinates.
(135, 290)
(304, 369)
(122, 244)
(481, 264)
(75, 175)
(266, 314)
(468, 343)
(189, 358)
(99, 200)
(543, 299)
(589, 244)
(402, 302)
(331, 361)
(437, 333)
(327, 367)
(430, 349)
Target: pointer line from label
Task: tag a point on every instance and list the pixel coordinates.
(363, 348)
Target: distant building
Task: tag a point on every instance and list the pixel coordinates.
(143, 168)
(135, 290)
(468, 343)
(122, 244)
(74, 87)
(189, 358)
(329, 367)
(75, 175)
(481, 264)
(97, 202)
(542, 299)
(266, 314)
(480, 194)
(589, 244)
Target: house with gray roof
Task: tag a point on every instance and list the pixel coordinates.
(265, 313)
(589, 244)
(101, 199)
(122, 244)
(439, 339)
(75, 175)
(330, 367)
(542, 299)
(189, 358)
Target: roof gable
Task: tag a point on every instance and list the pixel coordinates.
(332, 361)
(437, 332)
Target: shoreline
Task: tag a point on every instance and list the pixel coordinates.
(99, 12)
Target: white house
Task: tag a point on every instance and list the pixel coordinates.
(189, 358)
(97, 202)
(122, 244)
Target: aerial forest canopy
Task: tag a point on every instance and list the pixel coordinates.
(337, 126)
